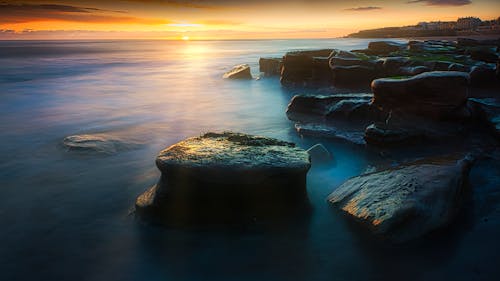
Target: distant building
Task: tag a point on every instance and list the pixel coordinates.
(469, 23)
(436, 25)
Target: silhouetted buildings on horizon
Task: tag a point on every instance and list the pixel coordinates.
(462, 26)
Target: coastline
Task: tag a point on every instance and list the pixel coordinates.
(453, 38)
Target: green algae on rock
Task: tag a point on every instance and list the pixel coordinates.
(227, 177)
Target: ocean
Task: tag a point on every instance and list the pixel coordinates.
(67, 215)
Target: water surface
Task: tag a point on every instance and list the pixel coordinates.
(66, 215)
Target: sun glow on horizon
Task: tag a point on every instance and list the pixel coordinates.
(185, 38)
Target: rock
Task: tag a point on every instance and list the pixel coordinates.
(497, 71)
(227, 178)
(321, 72)
(319, 154)
(241, 71)
(441, 65)
(432, 47)
(343, 54)
(482, 76)
(356, 108)
(488, 112)
(406, 202)
(270, 66)
(346, 132)
(482, 54)
(458, 67)
(337, 106)
(468, 42)
(298, 67)
(392, 65)
(384, 47)
(413, 70)
(432, 94)
(353, 76)
(340, 61)
(410, 130)
(98, 143)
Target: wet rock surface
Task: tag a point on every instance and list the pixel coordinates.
(227, 178)
(241, 71)
(408, 201)
(298, 67)
(432, 94)
(483, 76)
(98, 143)
(270, 66)
(319, 154)
(488, 112)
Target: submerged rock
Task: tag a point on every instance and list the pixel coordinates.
(227, 178)
(437, 94)
(344, 132)
(98, 143)
(319, 154)
(241, 71)
(408, 201)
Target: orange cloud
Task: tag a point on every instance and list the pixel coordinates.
(23, 13)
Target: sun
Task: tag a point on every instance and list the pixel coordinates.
(185, 38)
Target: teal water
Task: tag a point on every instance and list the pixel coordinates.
(66, 215)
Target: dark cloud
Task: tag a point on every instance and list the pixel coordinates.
(442, 2)
(362, 9)
(21, 13)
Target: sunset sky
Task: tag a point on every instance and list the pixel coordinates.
(223, 19)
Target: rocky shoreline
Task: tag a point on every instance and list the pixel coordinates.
(423, 93)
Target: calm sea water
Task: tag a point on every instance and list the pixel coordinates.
(66, 215)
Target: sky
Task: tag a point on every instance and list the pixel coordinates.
(223, 19)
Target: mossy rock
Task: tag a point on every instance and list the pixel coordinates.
(227, 177)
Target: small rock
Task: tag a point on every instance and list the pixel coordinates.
(319, 154)
(241, 71)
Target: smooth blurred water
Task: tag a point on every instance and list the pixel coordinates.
(66, 215)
